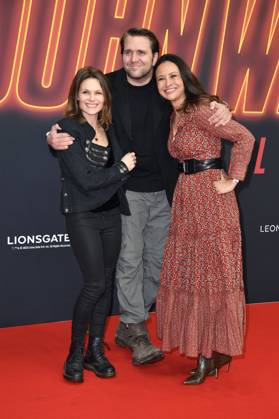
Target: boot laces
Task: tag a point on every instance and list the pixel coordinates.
(100, 353)
(76, 357)
(142, 340)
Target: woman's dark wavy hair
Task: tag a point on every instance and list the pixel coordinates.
(195, 93)
(72, 108)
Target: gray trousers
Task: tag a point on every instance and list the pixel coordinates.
(144, 234)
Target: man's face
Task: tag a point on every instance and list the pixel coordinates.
(138, 59)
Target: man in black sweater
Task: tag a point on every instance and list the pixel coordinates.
(141, 121)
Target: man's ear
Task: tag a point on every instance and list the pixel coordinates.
(155, 58)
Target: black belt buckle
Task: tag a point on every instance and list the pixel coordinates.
(184, 166)
(189, 166)
(192, 166)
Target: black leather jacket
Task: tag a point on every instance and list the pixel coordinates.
(84, 186)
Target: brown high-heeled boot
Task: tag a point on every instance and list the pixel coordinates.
(218, 360)
(204, 366)
(221, 360)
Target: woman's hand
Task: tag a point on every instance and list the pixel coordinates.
(129, 160)
(224, 185)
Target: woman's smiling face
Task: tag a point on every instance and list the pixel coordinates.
(90, 97)
(170, 84)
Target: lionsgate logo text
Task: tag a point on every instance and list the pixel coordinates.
(38, 241)
(269, 228)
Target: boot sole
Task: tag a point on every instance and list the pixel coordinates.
(193, 383)
(152, 360)
(148, 360)
(76, 379)
(89, 367)
(210, 373)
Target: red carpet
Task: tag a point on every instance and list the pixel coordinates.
(32, 386)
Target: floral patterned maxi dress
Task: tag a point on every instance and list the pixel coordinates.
(200, 303)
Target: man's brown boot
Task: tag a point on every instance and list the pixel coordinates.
(135, 337)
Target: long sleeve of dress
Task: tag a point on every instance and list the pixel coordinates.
(233, 131)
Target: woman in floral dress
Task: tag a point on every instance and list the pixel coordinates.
(200, 303)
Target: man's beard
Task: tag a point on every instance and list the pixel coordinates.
(141, 75)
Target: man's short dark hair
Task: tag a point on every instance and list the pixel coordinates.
(154, 43)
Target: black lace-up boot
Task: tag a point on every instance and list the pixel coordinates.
(73, 367)
(95, 359)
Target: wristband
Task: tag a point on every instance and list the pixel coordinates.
(122, 167)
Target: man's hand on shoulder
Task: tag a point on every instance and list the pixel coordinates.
(222, 114)
(59, 140)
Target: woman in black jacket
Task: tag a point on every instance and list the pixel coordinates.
(93, 170)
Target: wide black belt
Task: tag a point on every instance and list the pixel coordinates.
(192, 166)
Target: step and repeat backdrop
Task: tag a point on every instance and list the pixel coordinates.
(232, 45)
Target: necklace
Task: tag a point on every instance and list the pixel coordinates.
(97, 129)
(100, 136)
